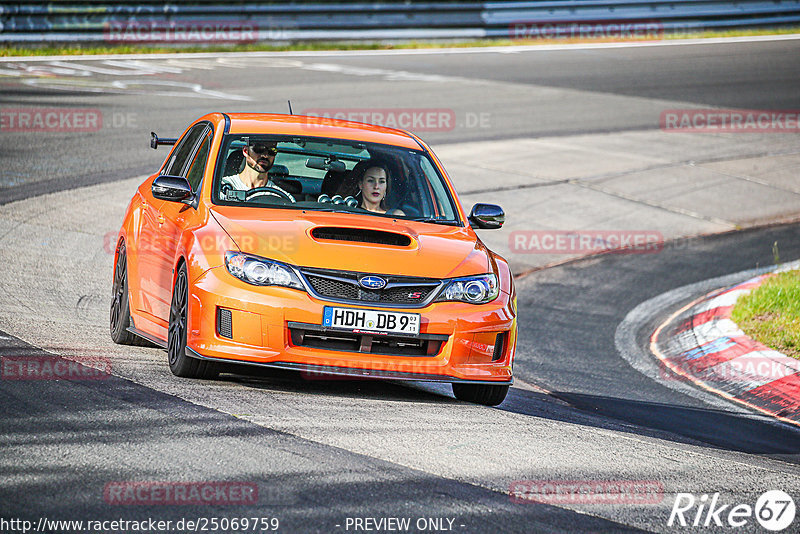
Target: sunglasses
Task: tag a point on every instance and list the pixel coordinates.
(263, 149)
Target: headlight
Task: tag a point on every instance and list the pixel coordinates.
(473, 289)
(261, 271)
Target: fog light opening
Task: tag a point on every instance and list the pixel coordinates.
(224, 323)
(499, 346)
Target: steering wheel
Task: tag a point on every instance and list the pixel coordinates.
(266, 190)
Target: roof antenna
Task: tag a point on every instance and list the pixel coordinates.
(290, 107)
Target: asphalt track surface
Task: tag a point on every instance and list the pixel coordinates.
(583, 367)
(321, 452)
(522, 94)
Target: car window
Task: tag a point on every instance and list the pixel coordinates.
(183, 150)
(438, 190)
(325, 175)
(198, 165)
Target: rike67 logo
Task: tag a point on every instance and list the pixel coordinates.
(774, 510)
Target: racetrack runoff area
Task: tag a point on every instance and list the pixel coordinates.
(639, 186)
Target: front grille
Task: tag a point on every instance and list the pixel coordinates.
(333, 288)
(401, 294)
(314, 336)
(400, 290)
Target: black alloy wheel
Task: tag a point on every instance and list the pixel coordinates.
(179, 363)
(120, 317)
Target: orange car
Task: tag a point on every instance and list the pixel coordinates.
(318, 245)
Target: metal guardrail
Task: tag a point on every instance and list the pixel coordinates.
(130, 21)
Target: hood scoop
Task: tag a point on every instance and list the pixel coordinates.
(360, 235)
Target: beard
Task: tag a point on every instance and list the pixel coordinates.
(261, 165)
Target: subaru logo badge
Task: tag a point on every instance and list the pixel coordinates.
(372, 282)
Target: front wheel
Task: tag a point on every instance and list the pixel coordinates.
(485, 394)
(179, 363)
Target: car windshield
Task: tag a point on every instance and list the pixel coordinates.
(332, 175)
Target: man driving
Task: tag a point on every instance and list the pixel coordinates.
(259, 158)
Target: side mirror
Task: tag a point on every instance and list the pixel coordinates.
(487, 216)
(172, 188)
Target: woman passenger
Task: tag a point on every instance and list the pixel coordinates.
(374, 185)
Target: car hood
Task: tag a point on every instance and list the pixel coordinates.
(335, 241)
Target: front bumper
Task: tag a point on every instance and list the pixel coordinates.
(275, 326)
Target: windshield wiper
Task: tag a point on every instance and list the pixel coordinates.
(434, 220)
(333, 210)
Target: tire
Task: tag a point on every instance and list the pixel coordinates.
(120, 316)
(179, 363)
(487, 395)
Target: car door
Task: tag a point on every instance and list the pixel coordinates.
(156, 249)
(141, 260)
(175, 217)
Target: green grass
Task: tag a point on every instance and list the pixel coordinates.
(771, 313)
(99, 48)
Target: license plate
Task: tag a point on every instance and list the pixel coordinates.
(371, 321)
